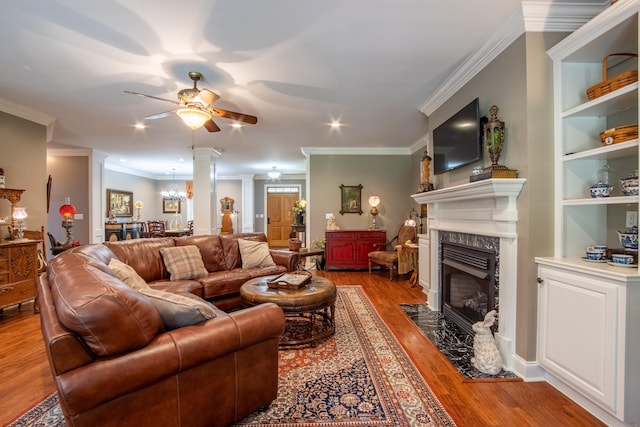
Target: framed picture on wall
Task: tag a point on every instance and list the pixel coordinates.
(351, 199)
(120, 202)
(170, 205)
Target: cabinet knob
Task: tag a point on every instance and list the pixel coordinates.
(539, 280)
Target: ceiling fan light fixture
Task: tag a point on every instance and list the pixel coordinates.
(193, 117)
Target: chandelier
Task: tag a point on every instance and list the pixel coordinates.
(173, 192)
(274, 174)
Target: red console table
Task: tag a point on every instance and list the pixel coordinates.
(350, 248)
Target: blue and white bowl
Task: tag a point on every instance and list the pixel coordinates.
(596, 255)
(600, 190)
(622, 259)
(630, 184)
(629, 238)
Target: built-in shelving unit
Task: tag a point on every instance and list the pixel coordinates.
(586, 311)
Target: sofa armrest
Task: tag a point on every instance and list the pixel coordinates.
(286, 258)
(169, 354)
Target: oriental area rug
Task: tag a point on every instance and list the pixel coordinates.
(359, 377)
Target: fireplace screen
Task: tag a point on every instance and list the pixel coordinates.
(468, 279)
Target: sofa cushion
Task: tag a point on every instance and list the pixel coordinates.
(108, 315)
(210, 250)
(183, 262)
(255, 254)
(143, 255)
(231, 250)
(178, 310)
(127, 274)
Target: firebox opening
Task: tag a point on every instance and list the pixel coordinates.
(468, 278)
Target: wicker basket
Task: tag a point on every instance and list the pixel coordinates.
(614, 83)
(619, 134)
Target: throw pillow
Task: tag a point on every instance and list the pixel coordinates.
(183, 262)
(127, 274)
(177, 310)
(255, 254)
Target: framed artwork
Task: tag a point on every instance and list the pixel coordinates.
(350, 199)
(170, 205)
(120, 202)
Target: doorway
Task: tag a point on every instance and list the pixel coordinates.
(280, 201)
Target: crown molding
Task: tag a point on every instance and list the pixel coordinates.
(558, 17)
(531, 16)
(359, 151)
(128, 171)
(69, 152)
(419, 145)
(24, 112)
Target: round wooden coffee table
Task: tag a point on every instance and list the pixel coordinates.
(309, 310)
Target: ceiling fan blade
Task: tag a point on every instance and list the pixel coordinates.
(211, 126)
(206, 97)
(233, 115)
(160, 115)
(152, 97)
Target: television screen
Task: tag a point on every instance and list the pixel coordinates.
(458, 141)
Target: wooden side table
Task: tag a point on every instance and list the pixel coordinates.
(408, 260)
(299, 231)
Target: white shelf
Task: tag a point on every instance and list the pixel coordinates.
(606, 105)
(621, 149)
(616, 200)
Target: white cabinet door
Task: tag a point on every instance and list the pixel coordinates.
(578, 332)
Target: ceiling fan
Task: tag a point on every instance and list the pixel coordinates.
(194, 108)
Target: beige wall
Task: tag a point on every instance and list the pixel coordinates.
(388, 176)
(24, 160)
(70, 178)
(519, 82)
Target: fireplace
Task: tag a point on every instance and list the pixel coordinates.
(482, 215)
(468, 284)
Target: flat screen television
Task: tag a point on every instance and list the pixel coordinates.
(458, 141)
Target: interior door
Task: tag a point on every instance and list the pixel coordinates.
(279, 218)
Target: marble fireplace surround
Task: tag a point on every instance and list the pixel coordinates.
(481, 208)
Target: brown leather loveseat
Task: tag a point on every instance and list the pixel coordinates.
(116, 362)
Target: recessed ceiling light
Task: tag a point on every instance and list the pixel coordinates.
(335, 124)
(139, 126)
(236, 125)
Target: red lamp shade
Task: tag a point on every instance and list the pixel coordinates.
(67, 210)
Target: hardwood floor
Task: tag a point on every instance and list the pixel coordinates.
(25, 378)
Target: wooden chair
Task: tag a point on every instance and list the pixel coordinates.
(390, 258)
(155, 229)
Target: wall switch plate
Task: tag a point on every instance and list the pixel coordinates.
(328, 215)
(632, 219)
(78, 216)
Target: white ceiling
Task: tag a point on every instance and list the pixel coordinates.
(295, 64)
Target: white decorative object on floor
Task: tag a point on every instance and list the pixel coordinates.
(486, 358)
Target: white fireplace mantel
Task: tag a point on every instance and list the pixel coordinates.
(488, 205)
(486, 208)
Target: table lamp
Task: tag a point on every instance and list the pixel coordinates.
(67, 211)
(374, 201)
(19, 215)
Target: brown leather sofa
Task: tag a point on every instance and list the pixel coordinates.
(221, 257)
(115, 363)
